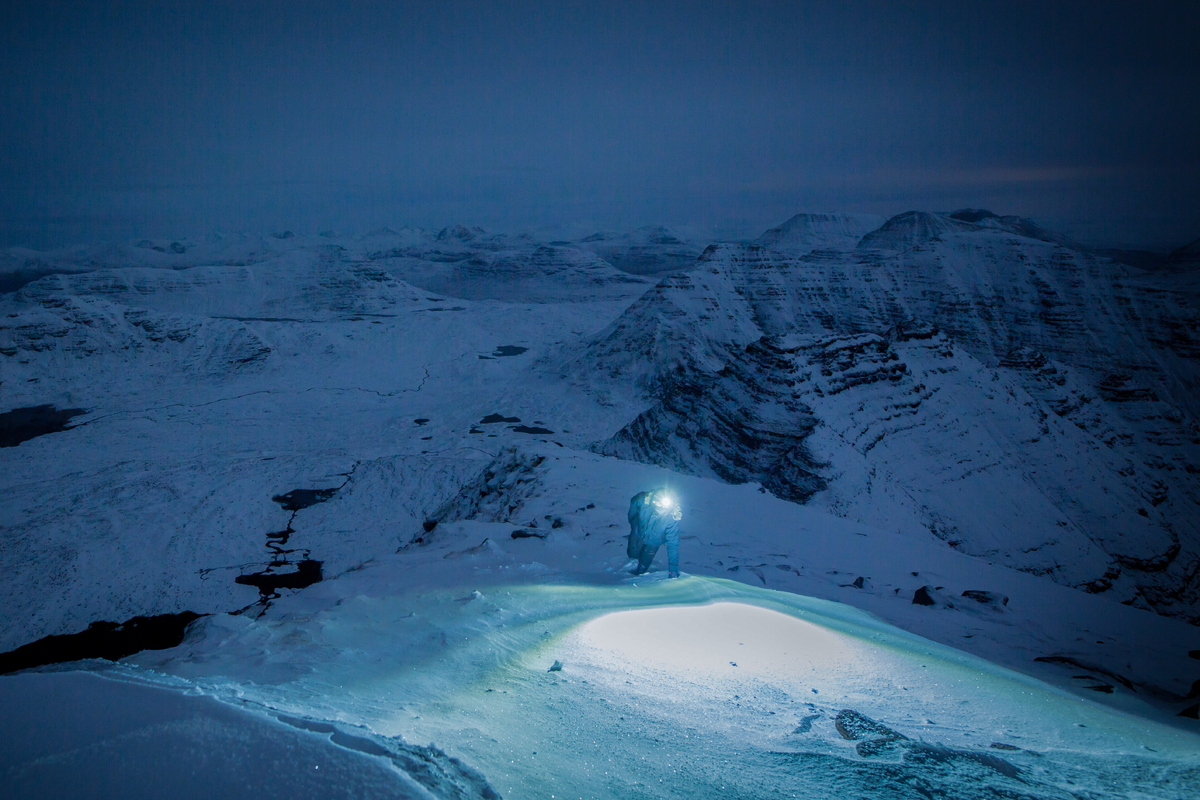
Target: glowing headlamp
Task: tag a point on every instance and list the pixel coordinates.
(664, 501)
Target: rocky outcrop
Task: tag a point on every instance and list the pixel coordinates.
(743, 423)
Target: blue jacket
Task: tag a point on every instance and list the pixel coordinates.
(654, 528)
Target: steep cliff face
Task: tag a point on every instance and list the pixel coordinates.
(1023, 400)
(742, 423)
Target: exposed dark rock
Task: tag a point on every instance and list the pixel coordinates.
(874, 738)
(1157, 563)
(498, 491)
(924, 596)
(873, 747)
(854, 726)
(741, 425)
(1103, 583)
(1119, 388)
(910, 329)
(527, 534)
(1191, 712)
(1023, 357)
(178, 248)
(508, 350)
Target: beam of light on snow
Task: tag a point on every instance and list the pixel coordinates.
(716, 640)
(696, 687)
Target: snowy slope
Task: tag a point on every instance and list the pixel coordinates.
(91, 735)
(328, 449)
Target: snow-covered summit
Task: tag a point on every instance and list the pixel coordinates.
(912, 228)
(806, 232)
(1015, 224)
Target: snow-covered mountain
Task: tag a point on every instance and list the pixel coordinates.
(462, 261)
(650, 250)
(370, 489)
(804, 233)
(942, 368)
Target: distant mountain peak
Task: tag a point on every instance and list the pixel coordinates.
(915, 227)
(806, 232)
(972, 214)
(912, 227)
(1189, 254)
(460, 232)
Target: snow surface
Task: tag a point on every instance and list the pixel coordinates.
(368, 366)
(82, 734)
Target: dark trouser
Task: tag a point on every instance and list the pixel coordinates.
(644, 554)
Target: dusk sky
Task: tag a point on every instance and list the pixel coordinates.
(131, 119)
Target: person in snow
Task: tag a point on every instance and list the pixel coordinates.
(654, 520)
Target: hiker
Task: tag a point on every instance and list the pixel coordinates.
(654, 520)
